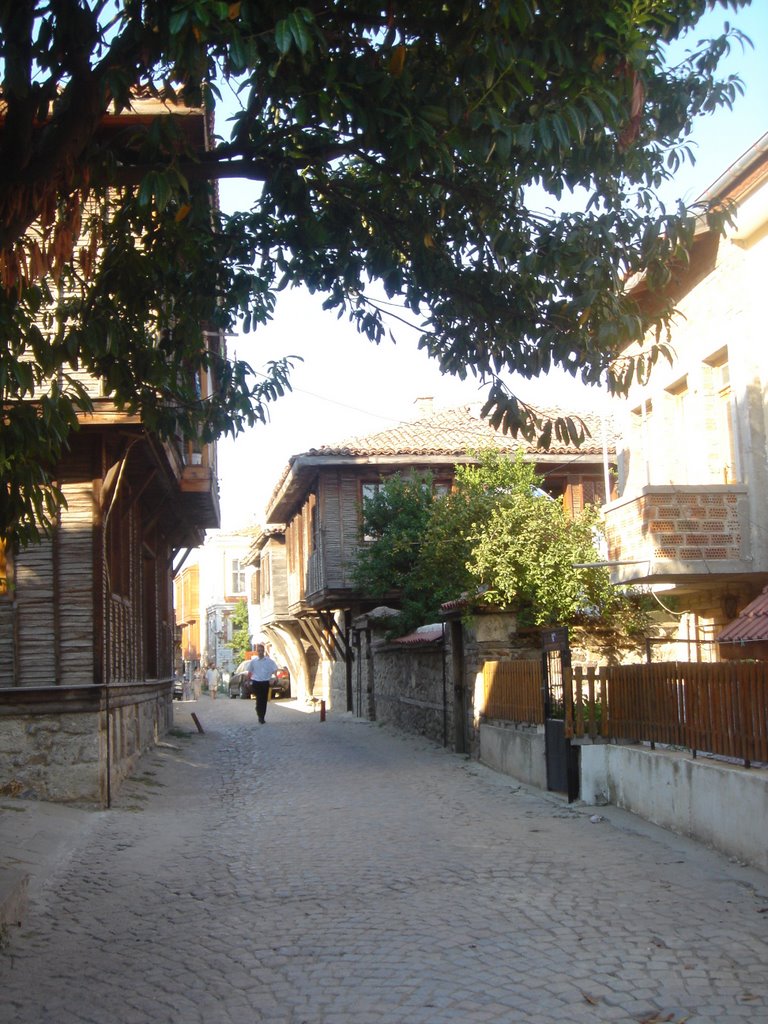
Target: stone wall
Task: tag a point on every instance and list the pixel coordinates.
(430, 683)
(412, 689)
(53, 742)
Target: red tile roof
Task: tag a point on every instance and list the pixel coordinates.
(457, 431)
(423, 635)
(751, 624)
(445, 436)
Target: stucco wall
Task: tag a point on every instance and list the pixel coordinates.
(722, 805)
(516, 750)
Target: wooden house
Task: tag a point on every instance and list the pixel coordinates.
(314, 520)
(87, 628)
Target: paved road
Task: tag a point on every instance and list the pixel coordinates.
(302, 872)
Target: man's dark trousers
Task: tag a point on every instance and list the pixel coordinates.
(261, 692)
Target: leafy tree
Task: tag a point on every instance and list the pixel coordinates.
(395, 521)
(394, 142)
(525, 552)
(241, 637)
(496, 538)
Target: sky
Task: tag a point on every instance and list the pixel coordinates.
(346, 386)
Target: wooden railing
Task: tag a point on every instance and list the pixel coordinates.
(717, 708)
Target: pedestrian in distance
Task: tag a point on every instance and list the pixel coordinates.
(197, 683)
(260, 671)
(213, 677)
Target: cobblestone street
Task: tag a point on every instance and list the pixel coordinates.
(308, 872)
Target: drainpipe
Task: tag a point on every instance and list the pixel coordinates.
(606, 468)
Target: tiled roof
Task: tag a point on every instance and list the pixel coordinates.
(423, 635)
(751, 624)
(445, 436)
(457, 431)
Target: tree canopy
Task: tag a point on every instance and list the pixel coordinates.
(241, 637)
(497, 538)
(404, 144)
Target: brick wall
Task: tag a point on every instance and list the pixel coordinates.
(679, 524)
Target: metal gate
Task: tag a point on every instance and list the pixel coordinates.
(561, 756)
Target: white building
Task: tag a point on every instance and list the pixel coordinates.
(692, 512)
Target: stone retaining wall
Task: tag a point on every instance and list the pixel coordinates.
(53, 742)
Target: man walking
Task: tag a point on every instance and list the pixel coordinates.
(213, 679)
(260, 669)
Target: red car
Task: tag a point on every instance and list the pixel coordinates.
(281, 684)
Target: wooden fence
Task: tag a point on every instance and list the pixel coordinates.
(512, 691)
(718, 708)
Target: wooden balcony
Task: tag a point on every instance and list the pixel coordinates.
(199, 487)
(671, 533)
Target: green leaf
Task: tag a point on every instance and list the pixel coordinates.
(283, 36)
(298, 29)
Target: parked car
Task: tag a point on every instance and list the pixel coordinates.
(239, 683)
(281, 684)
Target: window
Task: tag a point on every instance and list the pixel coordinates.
(119, 524)
(678, 454)
(721, 426)
(368, 491)
(370, 488)
(266, 575)
(642, 423)
(4, 588)
(238, 577)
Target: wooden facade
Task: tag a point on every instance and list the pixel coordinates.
(93, 603)
(87, 623)
(87, 628)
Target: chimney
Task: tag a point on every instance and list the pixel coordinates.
(424, 407)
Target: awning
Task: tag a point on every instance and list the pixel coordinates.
(751, 624)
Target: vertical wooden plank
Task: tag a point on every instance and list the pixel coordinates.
(591, 702)
(568, 683)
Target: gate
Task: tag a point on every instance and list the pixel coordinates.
(561, 756)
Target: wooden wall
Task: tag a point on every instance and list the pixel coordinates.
(93, 602)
